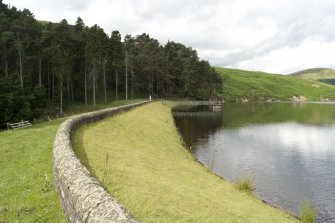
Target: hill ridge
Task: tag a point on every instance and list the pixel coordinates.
(309, 70)
(325, 75)
(242, 85)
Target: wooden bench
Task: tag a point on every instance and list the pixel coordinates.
(18, 125)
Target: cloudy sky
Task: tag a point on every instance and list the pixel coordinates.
(279, 36)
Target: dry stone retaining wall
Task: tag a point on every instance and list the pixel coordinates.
(83, 198)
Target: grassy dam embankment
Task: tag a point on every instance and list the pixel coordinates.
(140, 159)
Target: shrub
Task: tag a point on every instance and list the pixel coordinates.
(307, 212)
(245, 184)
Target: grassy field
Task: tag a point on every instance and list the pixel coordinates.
(27, 192)
(317, 74)
(139, 157)
(259, 86)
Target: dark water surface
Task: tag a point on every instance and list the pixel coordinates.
(288, 149)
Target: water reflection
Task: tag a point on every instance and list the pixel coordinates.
(286, 148)
(238, 115)
(198, 124)
(307, 139)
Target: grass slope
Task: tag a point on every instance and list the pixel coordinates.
(317, 74)
(27, 192)
(260, 86)
(139, 157)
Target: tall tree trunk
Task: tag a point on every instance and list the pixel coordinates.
(20, 61)
(85, 86)
(61, 96)
(105, 88)
(72, 95)
(68, 87)
(149, 83)
(61, 88)
(6, 67)
(39, 69)
(157, 85)
(48, 71)
(116, 85)
(6, 62)
(162, 88)
(94, 104)
(132, 84)
(152, 82)
(17, 68)
(53, 86)
(146, 87)
(126, 75)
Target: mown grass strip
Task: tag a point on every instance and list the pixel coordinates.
(140, 159)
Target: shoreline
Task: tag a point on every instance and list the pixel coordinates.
(223, 178)
(233, 205)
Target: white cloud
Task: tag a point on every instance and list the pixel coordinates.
(310, 53)
(291, 136)
(278, 36)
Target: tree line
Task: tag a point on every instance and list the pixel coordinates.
(44, 63)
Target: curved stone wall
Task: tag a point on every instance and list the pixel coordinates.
(82, 197)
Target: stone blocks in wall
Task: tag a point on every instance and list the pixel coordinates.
(83, 198)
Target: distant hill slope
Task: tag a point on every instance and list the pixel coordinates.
(259, 86)
(325, 75)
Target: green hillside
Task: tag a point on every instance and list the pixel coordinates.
(239, 85)
(318, 74)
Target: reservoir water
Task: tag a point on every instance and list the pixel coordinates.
(288, 149)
